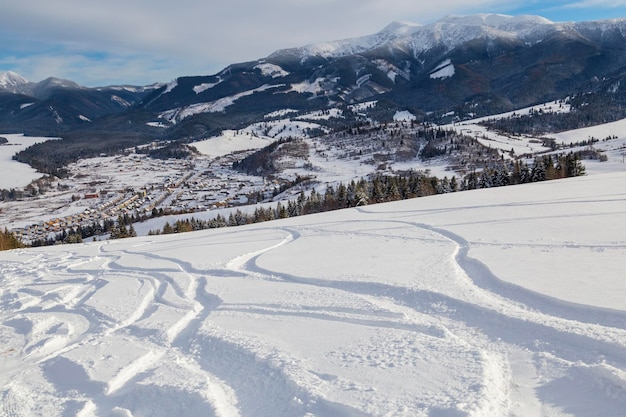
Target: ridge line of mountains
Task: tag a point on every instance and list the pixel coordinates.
(456, 68)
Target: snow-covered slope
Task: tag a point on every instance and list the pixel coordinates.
(499, 302)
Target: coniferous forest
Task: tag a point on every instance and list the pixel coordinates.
(386, 188)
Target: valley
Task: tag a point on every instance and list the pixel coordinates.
(104, 188)
(205, 184)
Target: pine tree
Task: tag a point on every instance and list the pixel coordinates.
(361, 196)
(573, 165)
(9, 241)
(538, 173)
(292, 209)
(454, 186)
(281, 212)
(167, 228)
(394, 192)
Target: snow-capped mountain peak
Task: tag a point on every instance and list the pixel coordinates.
(498, 21)
(344, 47)
(43, 89)
(58, 82)
(400, 28)
(453, 30)
(449, 31)
(13, 82)
(11, 78)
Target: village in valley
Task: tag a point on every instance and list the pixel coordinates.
(135, 185)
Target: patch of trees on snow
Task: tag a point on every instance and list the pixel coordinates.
(385, 188)
(586, 110)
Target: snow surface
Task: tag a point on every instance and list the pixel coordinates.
(170, 86)
(308, 87)
(157, 124)
(271, 70)
(359, 107)
(219, 105)
(496, 302)
(121, 101)
(443, 70)
(521, 144)
(323, 114)
(280, 113)
(230, 141)
(403, 116)
(19, 174)
(205, 86)
(10, 80)
(600, 132)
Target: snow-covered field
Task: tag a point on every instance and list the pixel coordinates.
(228, 142)
(498, 302)
(520, 144)
(17, 174)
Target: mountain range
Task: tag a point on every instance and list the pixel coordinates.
(457, 67)
(56, 105)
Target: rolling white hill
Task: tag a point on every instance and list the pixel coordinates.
(498, 302)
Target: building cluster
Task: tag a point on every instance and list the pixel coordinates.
(191, 188)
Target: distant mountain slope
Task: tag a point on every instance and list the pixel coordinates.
(456, 68)
(471, 64)
(56, 105)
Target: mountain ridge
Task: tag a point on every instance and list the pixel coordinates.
(456, 68)
(500, 62)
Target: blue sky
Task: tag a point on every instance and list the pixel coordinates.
(144, 41)
(565, 11)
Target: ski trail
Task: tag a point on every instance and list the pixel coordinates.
(493, 396)
(221, 396)
(267, 382)
(483, 278)
(563, 321)
(502, 320)
(197, 303)
(141, 311)
(177, 343)
(264, 380)
(483, 288)
(340, 318)
(131, 371)
(238, 264)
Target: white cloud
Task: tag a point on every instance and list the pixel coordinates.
(157, 40)
(596, 3)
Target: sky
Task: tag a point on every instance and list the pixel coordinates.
(140, 42)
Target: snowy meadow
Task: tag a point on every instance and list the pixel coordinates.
(17, 174)
(497, 302)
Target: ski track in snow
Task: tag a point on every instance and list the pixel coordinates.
(302, 318)
(496, 317)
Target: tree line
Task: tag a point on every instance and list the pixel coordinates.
(587, 109)
(373, 190)
(116, 229)
(387, 188)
